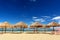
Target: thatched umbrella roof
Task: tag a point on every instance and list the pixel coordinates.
(48, 26)
(21, 24)
(0, 25)
(6, 24)
(53, 24)
(36, 24)
(58, 25)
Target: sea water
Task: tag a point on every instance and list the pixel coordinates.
(25, 29)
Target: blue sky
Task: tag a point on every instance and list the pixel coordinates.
(25, 10)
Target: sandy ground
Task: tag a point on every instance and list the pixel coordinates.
(29, 37)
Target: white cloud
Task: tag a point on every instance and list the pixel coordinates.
(39, 20)
(46, 16)
(34, 17)
(56, 18)
(42, 20)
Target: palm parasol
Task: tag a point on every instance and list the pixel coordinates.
(53, 24)
(1, 27)
(6, 25)
(46, 26)
(58, 25)
(21, 25)
(12, 26)
(35, 26)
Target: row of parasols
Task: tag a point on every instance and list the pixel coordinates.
(23, 25)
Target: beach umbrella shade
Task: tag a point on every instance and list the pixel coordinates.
(58, 25)
(45, 27)
(53, 24)
(1, 27)
(12, 26)
(22, 25)
(6, 25)
(36, 25)
(48, 26)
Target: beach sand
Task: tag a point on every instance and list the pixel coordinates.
(29, 37)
